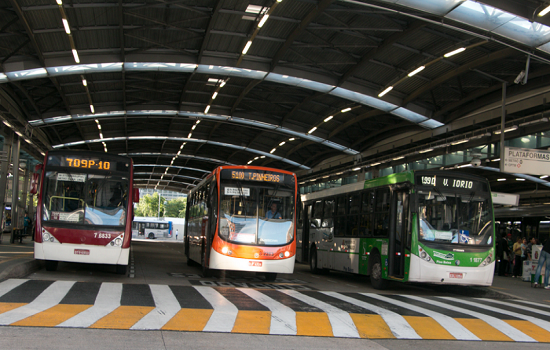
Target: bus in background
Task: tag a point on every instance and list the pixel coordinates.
(84, 209)
(151, 228)
(242, 218)
(415, 226)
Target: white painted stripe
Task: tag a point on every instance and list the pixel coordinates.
(521, 307)
(541, 323)
(537, 304)
(283, 318)
(225, 313)
(450, 324)
(167, 306)
(50, 297)
(107, 300)
(341, 322)
(400, 328)
(500, 325)
(10, 284)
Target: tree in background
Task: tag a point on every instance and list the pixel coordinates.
(148, 206)
(175, 208)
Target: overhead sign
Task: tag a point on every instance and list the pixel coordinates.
(505, 198)
(526, 161)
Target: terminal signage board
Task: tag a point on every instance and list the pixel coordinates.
(526, 161)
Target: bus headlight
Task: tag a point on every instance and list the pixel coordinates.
(287, 254)
(46, 237)
(487, 260)
(225, 250)
(457, 263)
(118, 242)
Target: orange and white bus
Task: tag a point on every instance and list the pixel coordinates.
(243, 218)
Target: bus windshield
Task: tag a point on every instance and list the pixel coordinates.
(454, 218)
(86, 199)
(257, 215)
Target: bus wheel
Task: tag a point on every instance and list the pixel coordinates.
(376, 279)
(151, 235)
(51, 265)
(121, 269)
(270, 276)
(313, 261)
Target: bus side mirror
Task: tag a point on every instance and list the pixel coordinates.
(36, 178)
(414, 203)
(136, 195)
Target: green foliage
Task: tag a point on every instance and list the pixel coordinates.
(148, 206)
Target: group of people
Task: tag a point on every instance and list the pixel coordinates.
(512, 255)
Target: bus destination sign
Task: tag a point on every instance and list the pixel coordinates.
(256, 175)
(448, 182)
(83, 162)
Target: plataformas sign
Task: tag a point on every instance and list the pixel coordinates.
(526, 161)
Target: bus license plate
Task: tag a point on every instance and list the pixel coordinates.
(456, 275)
(82, 252)
(255, 263)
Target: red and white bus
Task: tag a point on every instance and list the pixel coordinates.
(85, 209)
(243, 218)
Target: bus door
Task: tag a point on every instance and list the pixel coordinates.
(141, 229)
(306, 242)
(302, 233)
(399, 233)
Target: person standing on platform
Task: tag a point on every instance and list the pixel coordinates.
(176, 234)
(26, 224)
(516, 252)
(502, 253)
(544, 259)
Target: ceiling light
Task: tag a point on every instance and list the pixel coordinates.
(59, 2)
(282, 143)
(255, 158)
(18, 133)
(99, 126)
(312, 130)
(496, 160)
(385, 91)
(262, 22)
(222, 84)
(215, 95)
(8, 124)
(92, 108)
(84, 82)
(198, 121)
(459, 142)
(465, 166)
(262, 157)
(544, 12)
(417, 70)
(544, 176)
(291, 139)
(206, 109)
(519, 179)
(249, 162)
(246, 47)
(28, 141)
(542, 120)
(375, 164)
(452, 53)
(512, 128)
(346, 110)
(66, 25)
(75, 55)
(273, 150)
(355, 169)
(397, 158)
(190, 134)
(194, 126)
(328, 118)
(426, 150)
(501, 179)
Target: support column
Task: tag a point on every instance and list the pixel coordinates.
(4, 169)
(15, 183)
(502, 127)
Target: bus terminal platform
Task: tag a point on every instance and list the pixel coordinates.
(17, 261)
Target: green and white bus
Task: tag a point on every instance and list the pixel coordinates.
(415, 226)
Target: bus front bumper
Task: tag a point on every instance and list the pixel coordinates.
(427, 272)
(223, 262)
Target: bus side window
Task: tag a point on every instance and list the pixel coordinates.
(328, 213)
(366, 213)
(317, 213)
(382, 213)
(341, 217)
(353, 217)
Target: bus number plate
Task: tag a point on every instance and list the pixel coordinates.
(456, 275)
(255, 263)
(82, 252)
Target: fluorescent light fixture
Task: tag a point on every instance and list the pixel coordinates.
(282, 143)
(542, 120)
(18, 133)
(262, 157)
(388, 89)
(198, 121)
(465, 166)
(291, 139)
(246, 47)
(355, 169)
(28, 141)
(452, 53)
(273, 150)
(346, 110)
(206, 109)
(84, 82)
(312, 130)
(215, 95)
(459, 142)
(255, 158)
(262, 22)
(194, 126)
(501, 179)
(99, 126)
(249, 162)
(417, 70)
(496, 160)
(544, 176)
(328, 118)
(8, 124)
(100, 135)
(512, 128)
(190, 134)
(426, 150)
(397, 158)
(222, 84)
(75, 55)
(375, 164)
(520, 179)
(92, 108)
(59, 2)
(544, 12)
(66, 25)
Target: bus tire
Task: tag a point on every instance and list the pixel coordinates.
(270, 276)
(121, 269)
(51, 265)
(151, 235)
(375, 272)
(313, 261)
